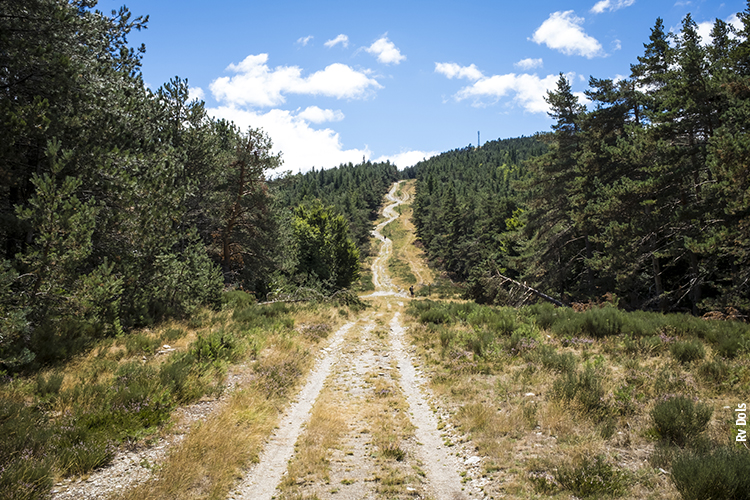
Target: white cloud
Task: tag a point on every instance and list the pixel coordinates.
(453, 70)
(196, 93)
(529, 63)
(610, 5)
(407, 158)
(704, 31)
(342, 39)
(562, 31)
(314, 114)
(255, 84)
(705, 28)
(302, 146)
(525, 90)
(735, 21)
(304, 40)
(385, 51)
(528, 90)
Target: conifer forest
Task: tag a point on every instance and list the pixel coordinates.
(172, 298)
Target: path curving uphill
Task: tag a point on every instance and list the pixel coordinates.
(368, 379)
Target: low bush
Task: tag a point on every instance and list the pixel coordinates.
(434, 316)
(685, 352)
(585, 387)
(552, 360)
(715, 372)
(218, 345)
(479, 341)
(592, 477)
(679, 420)
(720, 474)
(235, 299)
(546, 315)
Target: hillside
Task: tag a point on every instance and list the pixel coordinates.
(390, 397)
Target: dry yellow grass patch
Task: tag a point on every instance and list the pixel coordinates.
(211, 457)
(323, 433)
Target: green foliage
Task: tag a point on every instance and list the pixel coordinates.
(583, 386)
(552, 360)
(356, 192)
(324, 250)
(685, 352)
(679, 420)
(595, 322)
(642, 194)
(721, 473)
(592, 477)
(217, 345)
(463, 201)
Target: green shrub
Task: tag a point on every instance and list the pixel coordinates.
(679, 420)
(217, 345)
(434, 316)
(552, 360)
(602, 322)
(592, 478)
(642, 323)
(715, 372)
(688, 326)
(721, 474)
(728, 342)
(479, 341)
(236, 299)
(584, 387)
(49, 386)
(685, 352)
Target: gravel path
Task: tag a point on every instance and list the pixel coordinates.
(261, 482)
(362, 358)
(442, 466)
(355, 358)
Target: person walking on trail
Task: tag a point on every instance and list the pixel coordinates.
(411, 290)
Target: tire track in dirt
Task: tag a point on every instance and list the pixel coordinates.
(261, 482)
(357, 367)
(442, 467)
(380, 278)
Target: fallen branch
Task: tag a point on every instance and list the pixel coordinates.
(541, 295)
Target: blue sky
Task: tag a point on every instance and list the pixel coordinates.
(336, 81)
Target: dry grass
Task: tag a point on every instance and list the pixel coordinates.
(506, 405)
(211, 457)
(323, 433)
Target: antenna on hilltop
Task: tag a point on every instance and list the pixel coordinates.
(478, 143)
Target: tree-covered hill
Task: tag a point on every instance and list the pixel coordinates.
(642, 193)
(355, 190)
(467, 202)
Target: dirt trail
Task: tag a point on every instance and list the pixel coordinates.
(368, 370)
(380, 278)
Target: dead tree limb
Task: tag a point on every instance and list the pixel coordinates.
(541, 295)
